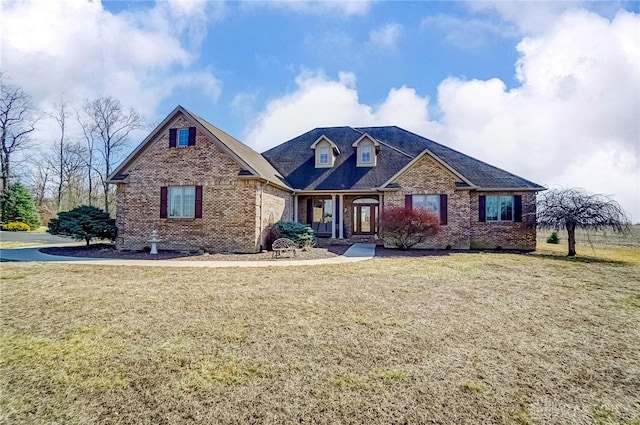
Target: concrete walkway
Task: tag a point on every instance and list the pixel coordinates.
(357, 252)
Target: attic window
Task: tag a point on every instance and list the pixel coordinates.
(324, 152)
(365, 153)
(183, 137)
(366, 149)
(323, 155)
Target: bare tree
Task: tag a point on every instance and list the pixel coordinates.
(109, 125)
(58, 159)
(89, 152)
(17, 121)
(39, 179)
(574, 208)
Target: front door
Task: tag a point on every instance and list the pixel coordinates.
(365, 219)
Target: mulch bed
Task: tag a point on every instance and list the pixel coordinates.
(109, 251)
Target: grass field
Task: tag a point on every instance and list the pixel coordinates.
(457, 339)
(17, 244)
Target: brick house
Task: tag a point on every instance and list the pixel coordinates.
(201, 188)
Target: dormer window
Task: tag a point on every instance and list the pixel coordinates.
(366, 151)
(325, 152)
(365, 154)
(323, 155)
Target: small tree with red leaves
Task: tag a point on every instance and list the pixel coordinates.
(406, 227)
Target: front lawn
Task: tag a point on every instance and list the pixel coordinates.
(452, 339)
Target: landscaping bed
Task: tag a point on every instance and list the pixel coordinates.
(109, 251)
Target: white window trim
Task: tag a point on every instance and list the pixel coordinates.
(374, 146)
(171, 189)
(499, 218)
(320, 147)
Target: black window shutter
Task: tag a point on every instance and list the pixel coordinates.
(198, 201)
(482, 211)
(163, 202)
(443, 209)
(192, 136)
(309, 211)
(172, 137)
(408, 201)
(517, 208)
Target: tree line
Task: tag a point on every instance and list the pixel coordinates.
(71, 166)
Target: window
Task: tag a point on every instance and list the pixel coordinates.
(366, 153)
(499, 208)
(183, 137)
(322, 211)
(430, 203)
(324, 155)
(182, 201)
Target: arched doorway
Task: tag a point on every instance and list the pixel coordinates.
(365, 216)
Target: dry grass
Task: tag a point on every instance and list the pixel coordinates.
(602, 238)
(17, 244)
(458, 339)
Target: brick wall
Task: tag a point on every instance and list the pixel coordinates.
(272, 205)
(228, 220)
(508, 235)
(428, 177)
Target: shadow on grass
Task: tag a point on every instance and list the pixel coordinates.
(382, 252)
(580, 259)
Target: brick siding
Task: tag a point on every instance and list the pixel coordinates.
(236, 212)
(428, 177)
(229, 205)
(505, 235)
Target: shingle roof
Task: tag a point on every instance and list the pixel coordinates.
(255, 164)
(398, 147)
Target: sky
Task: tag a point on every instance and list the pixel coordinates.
(549, 91)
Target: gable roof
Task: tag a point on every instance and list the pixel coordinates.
(253, 164)
(399, 149)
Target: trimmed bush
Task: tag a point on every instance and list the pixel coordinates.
(406, 227)
(301, 234)
(84, 222)
(16, 226)
(553, 238)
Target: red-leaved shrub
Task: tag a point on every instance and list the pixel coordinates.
(406, 227)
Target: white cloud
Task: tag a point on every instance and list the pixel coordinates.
(385, 37)
(322, 102)
(79, 49)
(573, 121)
